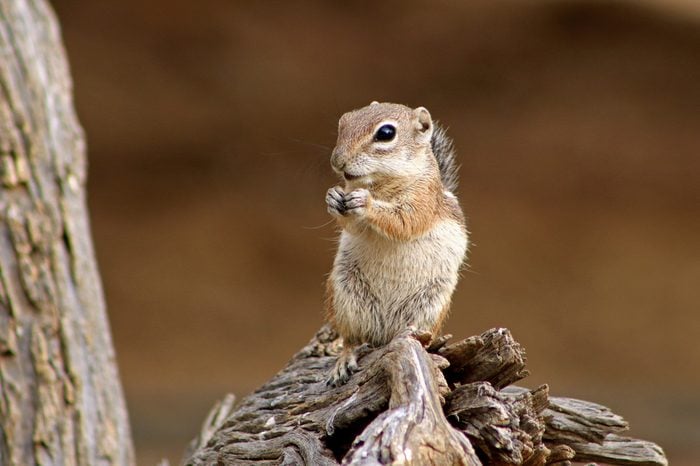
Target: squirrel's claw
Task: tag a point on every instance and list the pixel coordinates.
(335, 199)
(344, 367)
(357, 201)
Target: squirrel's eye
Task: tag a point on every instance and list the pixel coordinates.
(385, 133)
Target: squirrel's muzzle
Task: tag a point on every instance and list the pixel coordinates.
(338, 160)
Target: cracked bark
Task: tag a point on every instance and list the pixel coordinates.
(60, 398)
(414, 402)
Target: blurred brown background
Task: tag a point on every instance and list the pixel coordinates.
(210, 125)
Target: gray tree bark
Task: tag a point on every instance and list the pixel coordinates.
(414, 402)
(61, 402)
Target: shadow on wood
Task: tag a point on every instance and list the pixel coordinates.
(414, 401)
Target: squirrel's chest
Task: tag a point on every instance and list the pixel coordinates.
(394, 268)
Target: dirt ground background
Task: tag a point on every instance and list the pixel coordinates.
(210, 125)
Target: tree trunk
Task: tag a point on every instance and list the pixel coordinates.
(414, 402)
(61, 402)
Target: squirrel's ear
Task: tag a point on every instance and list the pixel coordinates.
(423, 123)
(374, 102)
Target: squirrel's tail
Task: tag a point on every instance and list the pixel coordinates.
(445, 154)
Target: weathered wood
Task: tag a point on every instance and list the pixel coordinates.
(413, 429)
(621, 450)
(493, 357)
(507, 428)
(298, 416)
(580, 421)
(60, 398)
(216, 418)
(412, 405)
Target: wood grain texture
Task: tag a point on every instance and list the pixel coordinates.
(60, 398)
(414, 401)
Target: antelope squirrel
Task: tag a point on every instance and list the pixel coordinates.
(403, 236)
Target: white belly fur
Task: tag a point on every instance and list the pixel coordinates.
(395, 271)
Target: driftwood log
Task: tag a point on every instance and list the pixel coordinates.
(414, 401)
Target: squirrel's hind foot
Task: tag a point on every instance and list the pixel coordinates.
(344, 368)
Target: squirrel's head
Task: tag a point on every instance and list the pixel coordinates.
(383, 140)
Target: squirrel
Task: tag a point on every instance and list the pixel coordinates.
(403, 235)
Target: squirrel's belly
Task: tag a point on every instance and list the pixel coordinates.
(397, 269)
(383, 286)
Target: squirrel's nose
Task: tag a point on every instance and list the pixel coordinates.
(337, 161)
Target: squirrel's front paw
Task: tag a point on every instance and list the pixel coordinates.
(357, 201)
(335, 199)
